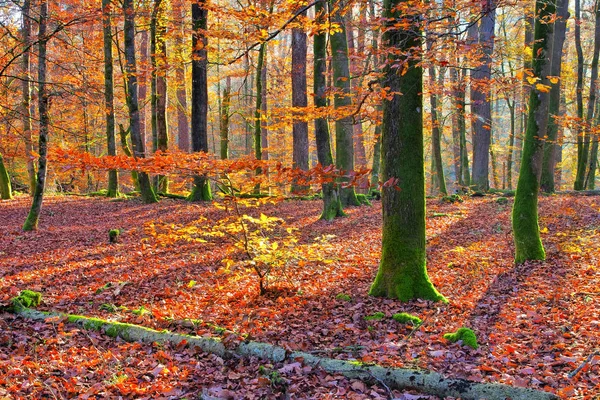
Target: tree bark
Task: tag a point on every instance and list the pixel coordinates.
(581, 154)
(113, 177)
(528, 243)
(137, 141)
(5, 187)
(299, 102)
(201, 189)
(591, 138)
(26, 94)
(344, 142)
(332, 206)
(31, 223)
(258, 110)
(224, 123)
(550, 148)
(480, 100)
(183, 127)
(402, 272)
(158, 56)
(436, 134)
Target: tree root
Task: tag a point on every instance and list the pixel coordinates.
(393, 378)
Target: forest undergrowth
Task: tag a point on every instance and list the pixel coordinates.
(536, 323)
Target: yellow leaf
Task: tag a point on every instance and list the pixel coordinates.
(532, 79)
(553, 79)
(543, 88)
(544, 230)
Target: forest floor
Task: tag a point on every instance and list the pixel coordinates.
(535, 323)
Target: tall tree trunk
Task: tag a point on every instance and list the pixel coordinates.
(183, 127)
(299, 102)
(590, 140)
(332, 206)
(581, 154)
(26, 94)
(158, 54)
(142, 85)
(550, 148)
(528, 243)
(264, 130)
(402, 272)
(436, 134)
(376, 62)
(511, 143)
(224, 123)
(344, 142)
(31, 223)
(137, 141)
(559, 144)
(455, 129)
(113, 177)
(258, 109)
(529, 22)
(590, 179)
(480, 100)
(201, 189)
(5, 187)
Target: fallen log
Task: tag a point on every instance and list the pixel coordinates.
(395, 378)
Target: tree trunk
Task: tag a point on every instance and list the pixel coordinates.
(183, 127)
(581, 154)
(402, 272)
(590, 179)
(590, 140)
(158, 55)
(113, 177)
(436, 134)
(201, 189)
(26, 94)
(511, 143)
(5, 187)
(264, 108)
(332, 206)
(258, 110)
(480, 100)
(224, 123)
(550, 148)
(142, 85)
(299, 102)
(344, 142)
(137, 141)
(31, 223)
(528, 244)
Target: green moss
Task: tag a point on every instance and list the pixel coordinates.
(113, 235)
(343, 296)
(405, 318)
(455, 198)
(501, 200)
(103, 288)
(141, 311)
(466, 335)
(109, 307)
(375, 317)
(27, 299)
(363, 199)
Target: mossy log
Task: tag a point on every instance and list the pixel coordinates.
(396, 378)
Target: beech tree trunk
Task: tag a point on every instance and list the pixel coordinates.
(550, 148)
(224, 123)
(31, 223)
(591, 138)
(436, 134)
(581, 154)
(201, 189)
(158, 56)
(258, 110)
(183, 127)
(344, 142)
(480, 100)
(299, 101)
(402, 272)
(5, 187)
(26, 93)
(137, 141)
(528, 243)
(113, 177)
(332, 206)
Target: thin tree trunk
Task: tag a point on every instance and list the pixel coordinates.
(549, 162)
(528, 243)
(201, 189)
(113, 177)
(402, 272)
(436, 134)
(559, 143)
(590, 179)
(590, 140)
(5, 187)
(332, 206)
(344, 142)
(455, 129)
(258, 110)
(31, 223)
(264, 108)
(142, 85)
(158, 54)
(581, 154)
(299, 102)
(183, 127)
(511, 143)
(137, 141)
(26, 94)
(480, 103)
(224, 123)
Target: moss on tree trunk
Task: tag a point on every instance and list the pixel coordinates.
(528, 243)
(402, 273)
(5, 188)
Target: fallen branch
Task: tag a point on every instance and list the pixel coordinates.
(574, 373)
(394, 378)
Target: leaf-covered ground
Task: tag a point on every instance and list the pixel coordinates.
(536, 323)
